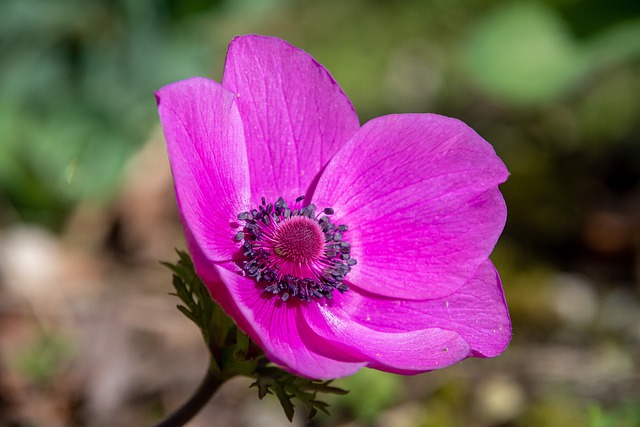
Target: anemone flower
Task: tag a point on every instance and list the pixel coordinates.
(335, 246)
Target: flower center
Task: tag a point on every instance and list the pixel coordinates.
(295, 252)
(299, 239)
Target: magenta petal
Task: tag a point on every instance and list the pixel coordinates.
(208, 159)
(419, 194)
(295, 115)
(280, 330)
(403, 352)
(477, 312)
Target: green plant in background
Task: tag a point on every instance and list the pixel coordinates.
(524, 52)
(76, 77)
(626, 414)
(381, 389)
(76, 83)
(42, 360)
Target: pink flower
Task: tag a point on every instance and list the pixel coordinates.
(412, 197)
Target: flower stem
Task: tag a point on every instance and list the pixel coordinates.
(209, 385)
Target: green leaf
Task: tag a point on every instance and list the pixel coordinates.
(285, 401)
(186, 312)
(286, 387)
(263, 385)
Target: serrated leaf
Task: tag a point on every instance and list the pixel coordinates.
(312, 413)
(326, 388)
(317, 404)
(262, 386)
(186, 312)
(285, 401)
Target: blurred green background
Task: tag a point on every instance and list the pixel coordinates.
(554, 86)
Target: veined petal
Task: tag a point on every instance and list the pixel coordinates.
(295, 115)
(279, 328)
(406, 352)
(208, 158)
(477, 312)
(419, 194)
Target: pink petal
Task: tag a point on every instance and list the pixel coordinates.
(419, 194)
(295, 115)
(406, 352)
(279, 328)
(208, 159)
(477, 312)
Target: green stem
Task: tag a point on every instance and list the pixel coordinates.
(209, 385)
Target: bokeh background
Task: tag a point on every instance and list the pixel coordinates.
(88, 333)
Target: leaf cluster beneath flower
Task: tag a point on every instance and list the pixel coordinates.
(233, 353)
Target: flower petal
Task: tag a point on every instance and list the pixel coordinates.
(208, 159)
(477, 312)
(408, 352)
(419, 194)
(295, 115)
(279, 328)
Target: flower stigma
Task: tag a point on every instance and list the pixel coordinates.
(295, 253)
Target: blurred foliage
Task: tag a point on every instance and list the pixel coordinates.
(554, 411)
(43, 360)
(553, 84)
(76, 79)
(627, 414)
(381, 389)
(525, 53)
